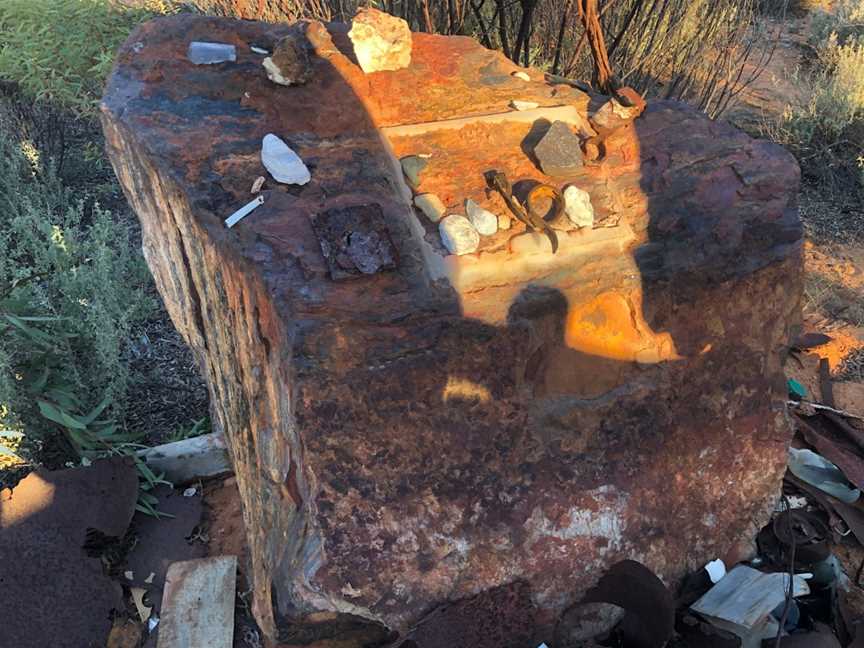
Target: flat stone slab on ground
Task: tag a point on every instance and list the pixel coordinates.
(198, 604)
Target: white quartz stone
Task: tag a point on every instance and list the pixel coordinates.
(521, 75)
(274, 73)
(283, 164)
(204, 53)
(458, 234)
(516, 104)
(381, 41)
(430, 205)
(578, 207)
(483, 220)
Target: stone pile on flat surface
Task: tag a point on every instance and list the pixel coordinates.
(415, 419)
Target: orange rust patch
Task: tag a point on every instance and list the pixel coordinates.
(611, 326)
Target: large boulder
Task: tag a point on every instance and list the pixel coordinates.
(410, 427)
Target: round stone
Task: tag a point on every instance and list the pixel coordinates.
(458, 235)
(483, 220)
(430, 205)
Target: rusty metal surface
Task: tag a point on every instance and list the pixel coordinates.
(53, 593)
(354, 240)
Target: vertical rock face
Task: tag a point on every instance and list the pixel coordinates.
(410, 426)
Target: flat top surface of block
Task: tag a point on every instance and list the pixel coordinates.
(670, 183)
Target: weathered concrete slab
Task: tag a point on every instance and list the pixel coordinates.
(198, 604)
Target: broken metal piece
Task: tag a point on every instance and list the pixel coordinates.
(650, 611)
(235, 218)
(497, 181)
(355, 240)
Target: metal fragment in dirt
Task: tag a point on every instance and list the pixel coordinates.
(650, 618)
(355, 240)
(241, 213)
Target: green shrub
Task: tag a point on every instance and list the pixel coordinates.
(827, 131)
(62, 50)
(72, 286)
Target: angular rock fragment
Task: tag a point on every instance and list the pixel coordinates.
(484, 221)
(430, 205)
(578, 207)
(381, 41)
(290, 63)
(203, 53)
(283, 164)
(354, 241)
(459, 235)
(612, 114)
(412, 166)
(558, 152)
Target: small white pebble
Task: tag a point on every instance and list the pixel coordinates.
(190, 492)
(521, 75)
(516, 104)
(259, 50)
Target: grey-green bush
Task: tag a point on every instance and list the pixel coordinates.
(70, 276)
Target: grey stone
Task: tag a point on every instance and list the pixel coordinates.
(484, 221)
(412, 166)
(203, 53)
(558, 152)
(458, 234)
(283, 164)
(430, 205)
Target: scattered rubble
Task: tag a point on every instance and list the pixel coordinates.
(381, 41)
